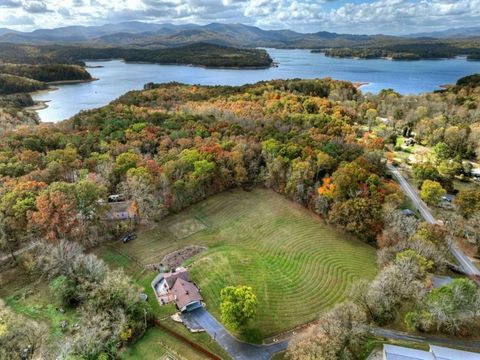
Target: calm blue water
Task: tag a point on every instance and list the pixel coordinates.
(116, 77)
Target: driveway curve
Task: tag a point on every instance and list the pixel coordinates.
(237, 349)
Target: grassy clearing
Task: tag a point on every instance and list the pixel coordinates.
(297, 266)
(149, 347)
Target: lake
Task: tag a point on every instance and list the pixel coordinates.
(117, 77)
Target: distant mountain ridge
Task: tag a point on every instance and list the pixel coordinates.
(135, 33)
(453, 33)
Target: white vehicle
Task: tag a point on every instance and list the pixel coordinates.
(116, 198)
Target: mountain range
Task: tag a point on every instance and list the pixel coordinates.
(142, 34)
(152, 35)
(453, 33)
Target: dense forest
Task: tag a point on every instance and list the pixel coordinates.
(11, 84)
(201, 54)
(414, 50)
(13, 113)
(166, 148)
(318, 142)
(46, 73)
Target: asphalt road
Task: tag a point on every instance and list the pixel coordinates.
(465, 263)
(236, 348)
(472, 345)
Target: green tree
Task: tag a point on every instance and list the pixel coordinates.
(238, 305)
(442, 151)
(360, 216)
(425, 171)
(468, 202)
(450, 309)
(432, 192)
(87, 194)
(449, 168)
(371, 116)
(416, 263)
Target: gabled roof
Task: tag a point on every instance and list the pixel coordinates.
(180, 273)
(393, 352)
(185, 293)
(442, 353)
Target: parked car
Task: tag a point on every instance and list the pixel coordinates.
(116, 198)
(129, 237)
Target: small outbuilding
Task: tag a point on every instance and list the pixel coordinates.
(121, 210)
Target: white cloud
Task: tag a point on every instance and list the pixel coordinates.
(369, 16)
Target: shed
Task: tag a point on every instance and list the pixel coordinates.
(121, 210)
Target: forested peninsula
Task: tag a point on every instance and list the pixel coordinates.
(404, 51)
(199, 54)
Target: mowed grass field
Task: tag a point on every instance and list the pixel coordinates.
(297, 266)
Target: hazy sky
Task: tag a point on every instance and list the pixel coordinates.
(347, 16)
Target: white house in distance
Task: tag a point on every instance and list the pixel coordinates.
(177, 287)
(392, 352)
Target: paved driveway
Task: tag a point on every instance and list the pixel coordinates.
(237, 349)
(465, 263)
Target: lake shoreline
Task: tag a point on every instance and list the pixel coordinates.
(273, 64)
(66, 82)
(39, 105)
(118, 77)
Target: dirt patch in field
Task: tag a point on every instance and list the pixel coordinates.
(176, 258)
(186, 228)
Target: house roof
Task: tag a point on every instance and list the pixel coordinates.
(185, 293)
(442, 353)
(180, 273)
(393, 352)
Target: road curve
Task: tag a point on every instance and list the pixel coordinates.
(465, 263)
(236, 348)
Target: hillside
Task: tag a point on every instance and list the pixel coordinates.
(461, 32)
(11, 84)
(200, 54)
(13, 113)
(46, 73)
(165, 36)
